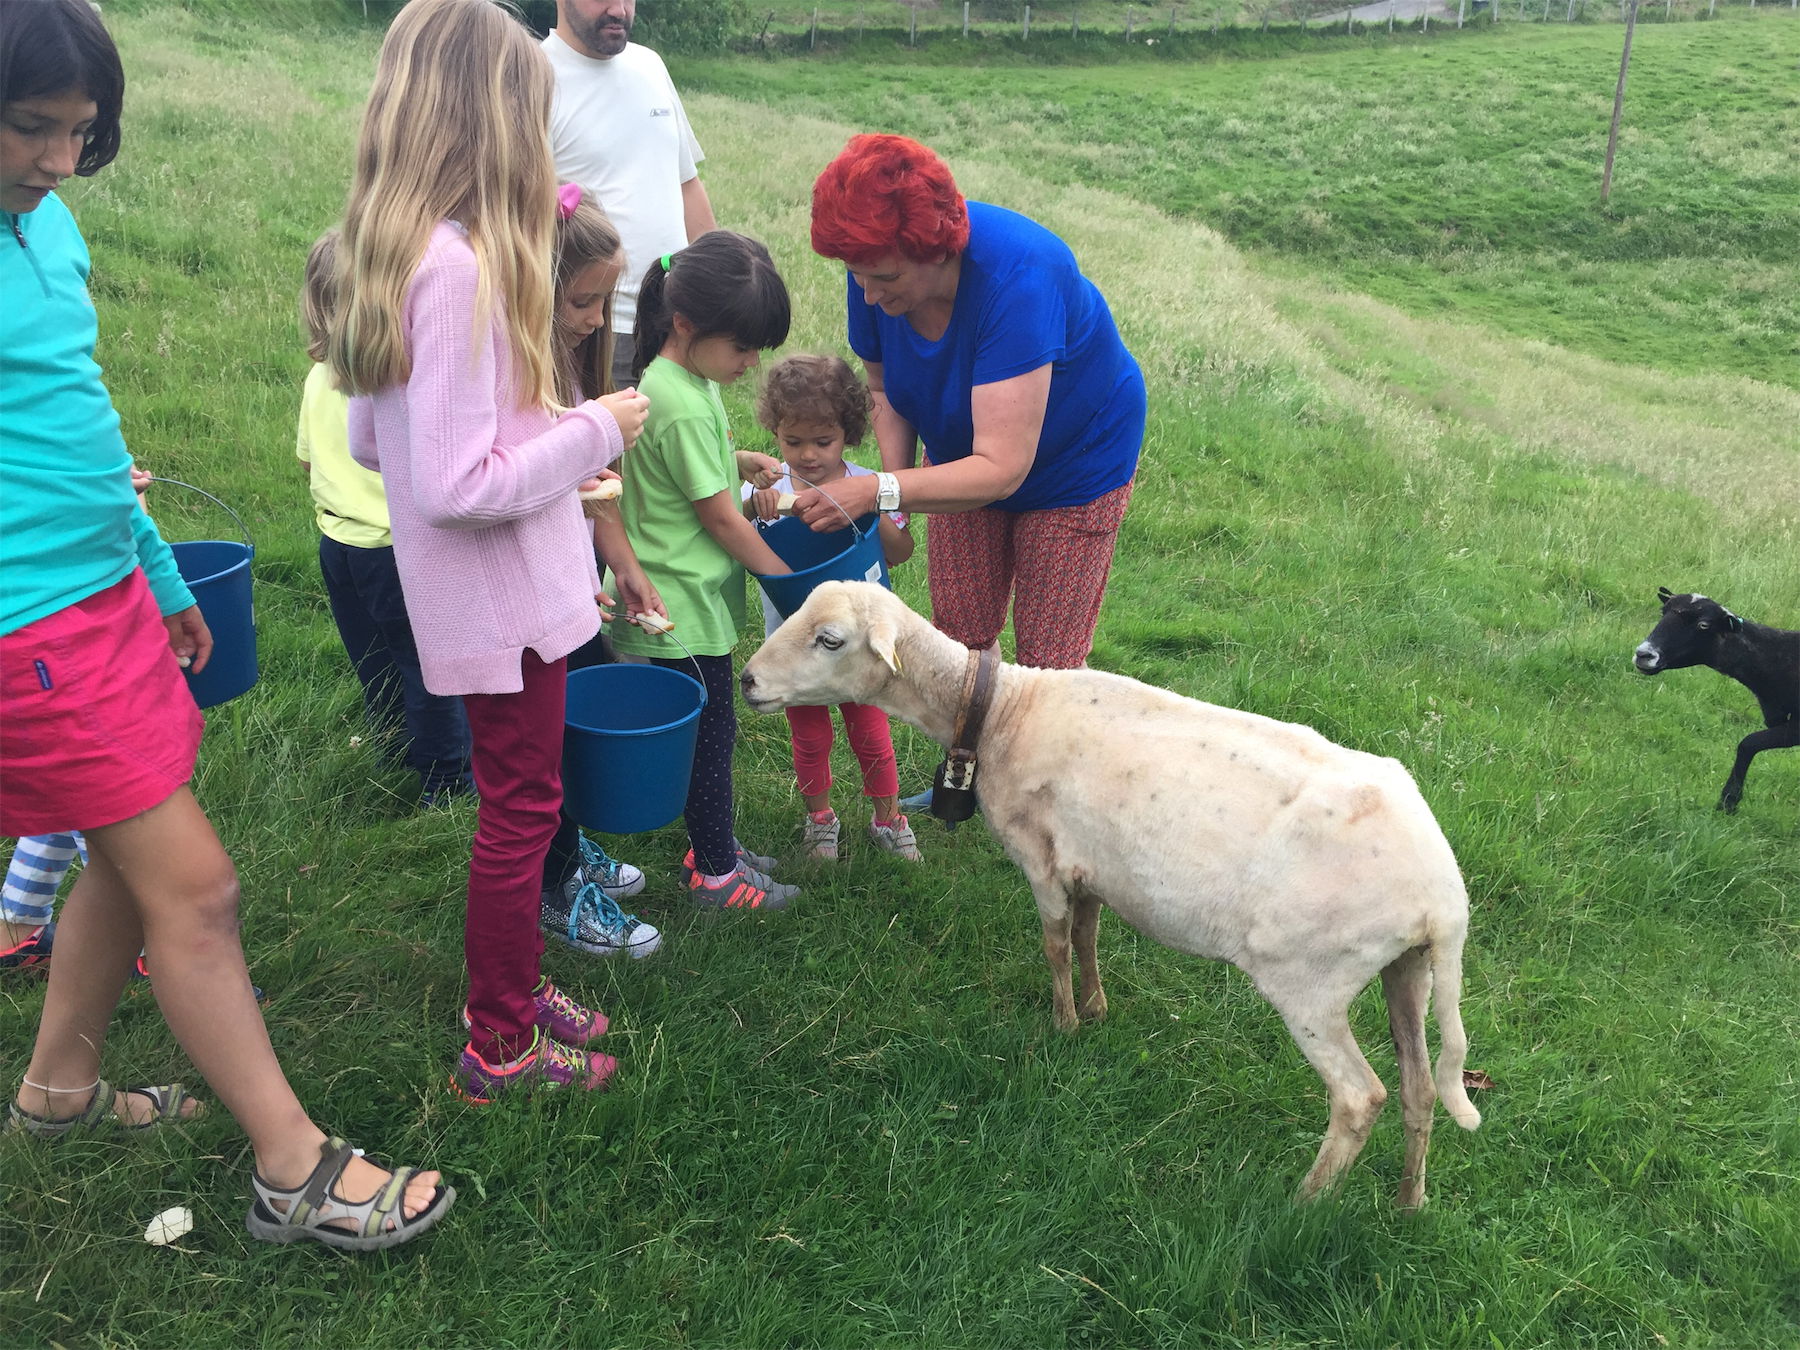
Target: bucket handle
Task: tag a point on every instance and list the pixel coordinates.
(700, 674)
(793, 477)
(245, 529)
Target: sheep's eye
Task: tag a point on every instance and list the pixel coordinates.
(829, 641)
(1705, 624)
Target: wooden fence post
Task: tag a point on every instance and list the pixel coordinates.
(1026, 32)
(1460, 6)
(1130, 22)
(1612, 137)
(814, 44)
(965, 18)
(1391, 15)
(1075, 21)
(912, 37)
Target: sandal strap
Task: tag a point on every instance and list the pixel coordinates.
(166, 1098)
(50, 1127)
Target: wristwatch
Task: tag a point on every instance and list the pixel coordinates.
(887, 492)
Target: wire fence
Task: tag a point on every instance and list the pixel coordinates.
(1105, 21)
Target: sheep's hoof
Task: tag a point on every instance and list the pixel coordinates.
(1410, 1200)
(1729, 805)
(1094, 1010)
(1067, 1022)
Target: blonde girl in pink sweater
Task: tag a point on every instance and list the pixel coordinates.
(443, 337)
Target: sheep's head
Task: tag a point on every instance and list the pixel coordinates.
(1687, 634)
(839, 647)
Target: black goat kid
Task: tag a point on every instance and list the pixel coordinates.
(1696, 631)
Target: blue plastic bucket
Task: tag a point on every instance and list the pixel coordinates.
(628, 746)
(217, 571)
(817, 557)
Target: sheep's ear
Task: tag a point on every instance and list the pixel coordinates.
(1664, 594)
(882, 635)
(1733, 623)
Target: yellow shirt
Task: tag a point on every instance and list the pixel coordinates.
(352, 504)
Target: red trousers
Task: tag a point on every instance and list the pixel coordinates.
(867, 729)
(1052, 566)
(517, 758)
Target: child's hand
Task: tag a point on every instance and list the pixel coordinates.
(637, 593)
(629, 409)
(190, 639)
(760, 471)
(141, 479)
(766, 502)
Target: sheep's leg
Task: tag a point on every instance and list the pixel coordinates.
(1772, 738)
(1087, 924)
(1319, 1019)
(1406, 981)
(1053, 913)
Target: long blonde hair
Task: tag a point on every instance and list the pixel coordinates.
(457, 128)
(585, 237)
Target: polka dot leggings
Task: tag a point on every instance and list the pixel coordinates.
(709, 811)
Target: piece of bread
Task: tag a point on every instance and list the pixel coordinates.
(653, 623)
(594, 499)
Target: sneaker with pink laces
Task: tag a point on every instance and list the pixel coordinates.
(745, 888)
(896, 837)
(559, 1016)
(550, 1064)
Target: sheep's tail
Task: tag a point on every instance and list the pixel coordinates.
(1453, 1043)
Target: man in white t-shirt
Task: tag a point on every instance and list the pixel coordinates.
(617, 127)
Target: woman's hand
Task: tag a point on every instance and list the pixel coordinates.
(758, 470)
(818, 507)
(629, 409)
(189, 638)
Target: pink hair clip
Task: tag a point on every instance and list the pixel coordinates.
(568, 197)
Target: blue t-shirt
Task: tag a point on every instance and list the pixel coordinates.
(70, 524)
(1021, 303)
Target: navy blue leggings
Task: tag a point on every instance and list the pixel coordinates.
(709, 812)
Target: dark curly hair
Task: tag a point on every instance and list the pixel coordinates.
(50, 46)
(813, 388)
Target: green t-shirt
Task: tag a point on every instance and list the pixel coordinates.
(683, 455)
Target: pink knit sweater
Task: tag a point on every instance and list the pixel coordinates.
(493, 552)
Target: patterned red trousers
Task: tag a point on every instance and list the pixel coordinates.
(1051, 565)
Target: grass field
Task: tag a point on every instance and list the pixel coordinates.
(1431, 532)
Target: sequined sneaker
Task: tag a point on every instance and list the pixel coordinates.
(590, 920)
(559, 1016)
(896, 837)
(620, 880)
(550, 1064)
(745, 888)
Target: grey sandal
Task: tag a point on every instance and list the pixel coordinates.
(167, 1098)
(314, 1209)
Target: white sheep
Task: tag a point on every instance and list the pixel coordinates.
(1309, 866)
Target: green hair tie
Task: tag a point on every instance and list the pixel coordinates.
(665, 262)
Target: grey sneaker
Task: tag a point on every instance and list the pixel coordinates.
(756, 862)
(895, 837)
(592, 922)
(821, 836)
(745, 888)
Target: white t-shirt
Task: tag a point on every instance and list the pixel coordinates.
(617, 127)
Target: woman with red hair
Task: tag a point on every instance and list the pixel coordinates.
(982, 338)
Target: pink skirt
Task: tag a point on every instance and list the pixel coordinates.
(96, 721)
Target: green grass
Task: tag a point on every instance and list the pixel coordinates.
(853, 1125)
(1457, 175)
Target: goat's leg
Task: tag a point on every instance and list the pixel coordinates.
(1406, 981)
(1087, 924)
(1772, 738)
(1318, 1015)
(1053, 913)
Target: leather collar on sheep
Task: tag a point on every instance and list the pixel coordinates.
(952, 798)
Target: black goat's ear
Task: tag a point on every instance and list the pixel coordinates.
(1664, 594)
(1732, 622)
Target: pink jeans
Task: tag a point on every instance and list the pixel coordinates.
(867, 729)
(517, 758)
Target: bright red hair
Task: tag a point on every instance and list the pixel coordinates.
(884, 195)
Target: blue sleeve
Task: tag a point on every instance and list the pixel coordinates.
(859, 321)
(1024, 325)
(171, 592)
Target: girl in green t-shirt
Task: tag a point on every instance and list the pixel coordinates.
(704, 316)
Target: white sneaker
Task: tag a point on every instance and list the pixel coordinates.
(897, 838)
(821, 836)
